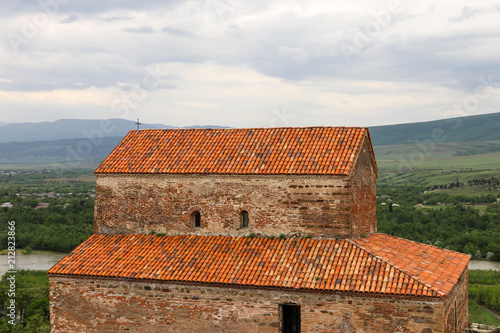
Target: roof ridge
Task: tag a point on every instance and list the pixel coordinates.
(390, 263)
(240, 128)
(424, 244)
(429, 245)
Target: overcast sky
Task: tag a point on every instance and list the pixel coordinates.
(249, 63)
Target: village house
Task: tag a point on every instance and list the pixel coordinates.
(42, 205)
(250, 230)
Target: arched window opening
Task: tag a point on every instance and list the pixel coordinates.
(196, 219)
(244, 219)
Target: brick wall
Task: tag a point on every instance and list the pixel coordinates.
(275, 205)
(364, 195)
(456, 306)
(323, 206)
(105, 305)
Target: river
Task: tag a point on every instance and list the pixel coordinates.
(480, 264)
(33, 261)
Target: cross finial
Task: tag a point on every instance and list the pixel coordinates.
(138, 123)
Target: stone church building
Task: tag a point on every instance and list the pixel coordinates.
(250, 230)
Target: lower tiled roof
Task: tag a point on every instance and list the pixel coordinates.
(376, 264)
(437, 268)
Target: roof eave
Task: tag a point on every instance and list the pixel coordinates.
(243, 286)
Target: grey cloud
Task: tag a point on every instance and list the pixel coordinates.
(31, 86)
(308, 48)
(468, 12)
(291, 47)
(295, 54)
(164, 85)
(82, 6)
(176, 31)
(96, 6)
(116, 18)
(140, 30)
(69, 75)
(70, 19)
(100, 74)
(420, 60)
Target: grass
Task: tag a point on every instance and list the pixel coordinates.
(468, 191)
(478, 315)
(435, 206)
(480, 208)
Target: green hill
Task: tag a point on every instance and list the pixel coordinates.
(481, 128)
(457, 143)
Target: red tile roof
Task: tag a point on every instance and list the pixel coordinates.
(311, 150)
(377, 264)
(435, 267)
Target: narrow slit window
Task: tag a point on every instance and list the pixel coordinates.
(290, 318)
(244, 219)
(197, 219)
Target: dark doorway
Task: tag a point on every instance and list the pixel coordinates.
(290, 316)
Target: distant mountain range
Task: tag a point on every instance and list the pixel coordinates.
(74, 142)
(70, 129)
(67, 129)
(88, 142)
(72, 152)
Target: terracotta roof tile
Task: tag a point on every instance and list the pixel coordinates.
(376, 264)
(437, 269)
(309, 150)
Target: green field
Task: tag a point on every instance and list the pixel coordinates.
(56, 166)
(43, 179)
(468, 191)
(483, 297)
(435, 164)
(440, 176)
(478, 315)
(450, 156)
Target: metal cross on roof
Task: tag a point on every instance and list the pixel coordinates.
(138, 123)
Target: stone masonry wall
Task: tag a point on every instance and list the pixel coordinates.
(314, 205)
(105, 305)
(456, 306)
(364, 195)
